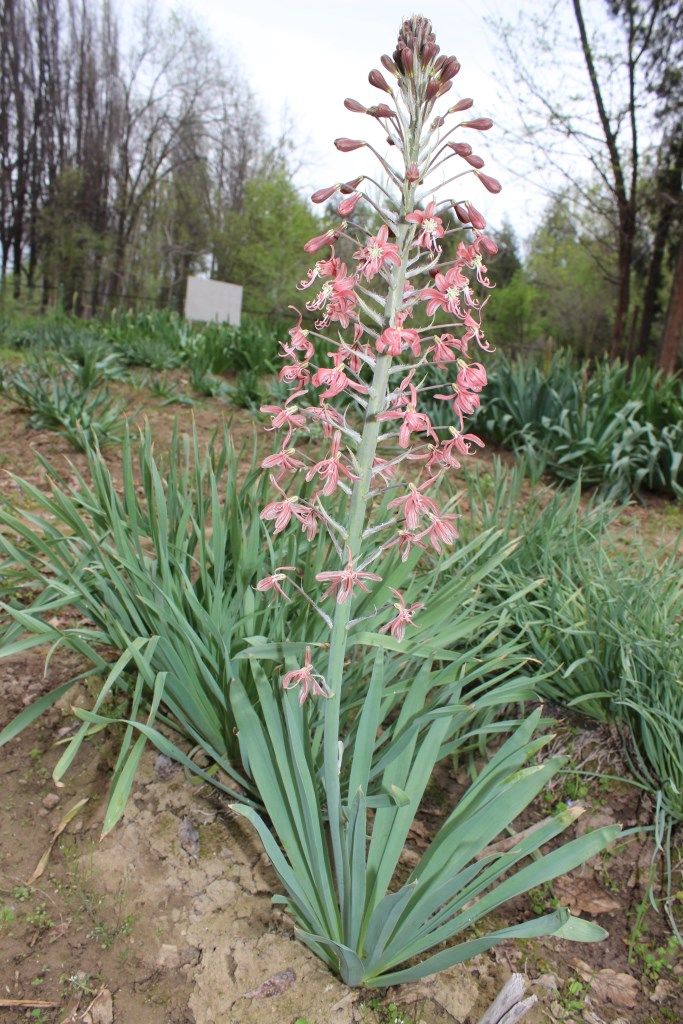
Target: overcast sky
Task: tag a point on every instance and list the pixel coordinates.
(302, 58)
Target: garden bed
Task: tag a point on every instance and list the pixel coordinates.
(169, 918)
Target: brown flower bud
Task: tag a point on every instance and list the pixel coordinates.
(429, 51)
(348, 145)
(473, 160)
(461, 105)
(388, 63)
(323, 194)
(461, 213)
(438, 122)
(475, 218)
(406, 60)
(450, 70)
(481, 124)
(440, 61)
(377, 79)
(444, 87)
(489, 183)
(461, 148)
(382, 110)
(350, 186)
(488, 245)
(432, 89)
(355, 106)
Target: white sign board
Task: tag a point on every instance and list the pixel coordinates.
(213, 300)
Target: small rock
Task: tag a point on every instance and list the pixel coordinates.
(50, 801)
(615, 987)
(661, 992)
(592, 1018)
(548, 982)
(164, 767)
(273, 986)
(168, 957)
(189, 837)
(190, 956)
(101, 1011)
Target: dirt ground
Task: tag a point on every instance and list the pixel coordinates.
(168, 919)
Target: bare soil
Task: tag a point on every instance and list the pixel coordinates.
(168, 920)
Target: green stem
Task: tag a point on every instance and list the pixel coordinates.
(357, 515)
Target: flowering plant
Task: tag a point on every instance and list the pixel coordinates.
(326, 779)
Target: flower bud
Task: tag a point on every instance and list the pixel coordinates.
(481, 124)
(438, 122)
(348, 205)
(475, 218)
(444, 87)
(348, 145)
(350, 186)
(412, 173)
(406, 60)
(489, 183)
(488, 245)
(377, 79)
(473, 160)
(464, 104)
(382, 110)
(429, 51)
(440, 61)
(323, 194)
(461, 213)
(355, 106)
(432, 89)
(321, 240)
(461, 148)
(450, 69)
(388, 63)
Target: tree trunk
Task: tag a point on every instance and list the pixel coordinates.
(672, 336)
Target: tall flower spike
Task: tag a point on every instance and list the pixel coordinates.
(421, 251)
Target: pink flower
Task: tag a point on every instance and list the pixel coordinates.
(472, 377)
(285, 461)
(397, 626)
(461, 442)
(334, 380)
(381, 467)
(412, 421)
(308, 519)
(327, 416)
(342, 582)
(376, 252)
(393, 340)
(444, 348)
(447, 292)
(430, 225)
(310, 681)
(405, 540)
(273, 581)
(464, 402)
(284, 417)
(323, 268)
(295, 373)
(414, 504)
(331, 469)
(279, 512)
(441, 531)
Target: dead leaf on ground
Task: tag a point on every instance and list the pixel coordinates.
(273, 986)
